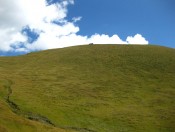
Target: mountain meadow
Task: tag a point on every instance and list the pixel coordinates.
(90, 88)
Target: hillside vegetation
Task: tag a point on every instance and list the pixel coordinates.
(93, 88)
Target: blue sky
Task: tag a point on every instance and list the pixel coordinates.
(30, 25)
(154, 19)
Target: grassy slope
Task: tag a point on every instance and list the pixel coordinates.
(100, 87)
(11, 122)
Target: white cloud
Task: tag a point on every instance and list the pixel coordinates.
(105, 39)
(38, 15)
(137, 39)
(76, 19)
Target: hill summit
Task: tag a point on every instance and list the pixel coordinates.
(97, 88)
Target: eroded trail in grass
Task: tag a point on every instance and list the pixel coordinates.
(36, 117)
(15, 108)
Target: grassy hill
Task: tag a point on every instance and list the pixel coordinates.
(97, 88)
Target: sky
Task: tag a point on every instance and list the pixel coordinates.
(33, 25)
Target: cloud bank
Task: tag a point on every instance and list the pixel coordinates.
(29, 25)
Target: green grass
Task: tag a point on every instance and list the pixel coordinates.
(104, 88)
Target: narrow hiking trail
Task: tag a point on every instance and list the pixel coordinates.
(35, 117)
(15, 108)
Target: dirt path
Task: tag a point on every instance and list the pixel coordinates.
(15, 108)
(35, 117)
